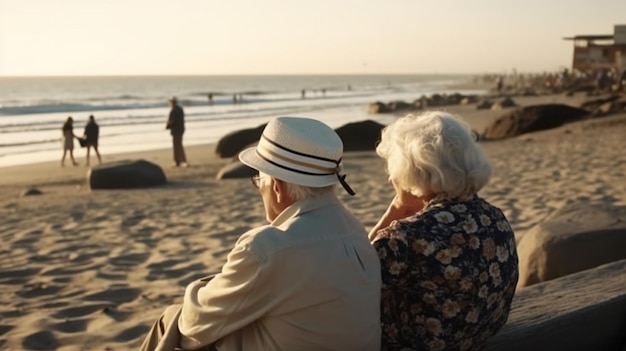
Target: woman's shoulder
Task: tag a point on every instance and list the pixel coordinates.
(447, 214)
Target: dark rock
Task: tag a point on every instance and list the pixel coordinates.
(577, 237)
(126, 174)
(436, 100)
(421, 102)
(469, 100)
(454, 99)
(504, 103)
(31, 192)
(377, 107)
(484, 104)
(533, 118)
(232, 143)
(605, 107)
(579, 312)
(398, 106)
(593, 104)
(360, 136)
(235, 170)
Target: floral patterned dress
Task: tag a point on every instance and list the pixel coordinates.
(449, 275)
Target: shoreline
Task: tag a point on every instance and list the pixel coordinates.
(136, 118)
(478, 120)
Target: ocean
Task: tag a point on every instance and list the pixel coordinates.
(132, 111)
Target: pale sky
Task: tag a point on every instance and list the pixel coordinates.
(199, 37)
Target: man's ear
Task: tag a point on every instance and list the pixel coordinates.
(278, 186)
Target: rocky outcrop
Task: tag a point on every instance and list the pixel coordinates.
(235, 170)
(484, 104)
(504, 103)
(472, 99)
(579, 312)
(232, 143)
(360, 136)
(575, 238)
(31, 192)
(605, 106)
(423, 102)
(378, 107)
(531, 119)
(126, 174)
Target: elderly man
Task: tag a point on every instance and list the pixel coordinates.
(309, 280)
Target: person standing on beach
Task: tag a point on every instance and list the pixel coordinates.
(176, 125)
(309, 280)
(92, 132)
(68, 141)
(499, 84)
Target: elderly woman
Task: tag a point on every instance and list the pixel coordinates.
(448, 257)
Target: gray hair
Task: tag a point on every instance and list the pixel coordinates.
(434, 153)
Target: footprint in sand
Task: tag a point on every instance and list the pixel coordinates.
(129, 260)
(131, 333)
(43, 340)
(38, 290)
(18, 276)
(133, 219)
(5, 328)
(117, 294)
(79, 311)
(71, 326)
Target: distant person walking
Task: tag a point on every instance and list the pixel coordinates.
(210, 96)
(68, 141)
(622, 80)
(176, 125)
(92, 132)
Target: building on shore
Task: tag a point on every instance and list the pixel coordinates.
(600, 53)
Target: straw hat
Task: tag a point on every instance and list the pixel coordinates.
(298, 150)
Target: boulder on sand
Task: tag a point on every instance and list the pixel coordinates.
(579, 312)
(484, 104)
(504, 103)
(235, 170)
(533, 118)
(126, 174)
(232, 143)
(577, 237)
(31, 192)
(378, 107)
(360, 136)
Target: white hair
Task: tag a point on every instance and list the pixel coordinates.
(434, 153)
(301, 192)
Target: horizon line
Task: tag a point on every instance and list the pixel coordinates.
(254, 74)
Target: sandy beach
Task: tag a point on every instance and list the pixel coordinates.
(92, 270)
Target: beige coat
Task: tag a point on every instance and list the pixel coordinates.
(308, 281)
